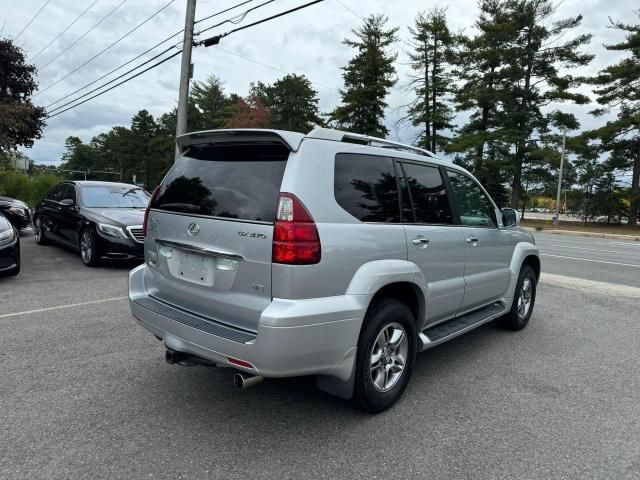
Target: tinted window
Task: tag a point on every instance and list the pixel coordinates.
(429, 195)
(56, 192)
(68, 193)
(474, 206)
(232, 181)
(366, 187)
(116, 196)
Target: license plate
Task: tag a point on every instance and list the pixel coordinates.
(192, 267)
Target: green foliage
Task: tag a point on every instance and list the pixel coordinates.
(432, 52)
(292, 102)
(619, 87)
(20, 121)
(514, 69)
(367, 78)
(25, 188)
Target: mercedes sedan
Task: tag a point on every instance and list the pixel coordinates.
(101, 220)
(17, 212)
(9, 248)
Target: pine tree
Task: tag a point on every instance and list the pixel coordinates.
(367, 78)
(619, 87)
(209, 106)
(292, 102)
(481, 68)
(538, 75)
(432, 51)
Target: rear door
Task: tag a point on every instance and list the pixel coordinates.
(211, 230)
(489, 248)
(48, 212)
(434, 243)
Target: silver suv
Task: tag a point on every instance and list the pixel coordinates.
(330, 254)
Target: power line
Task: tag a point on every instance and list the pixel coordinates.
(106, 48)
(63, 31)
(82, 36)
(348, 9)
(215, 40)
(108, 83)
(30, 21)
(118, 84)
(131, 61)
(271, 67)
(237, 19)
(119, 67)
(224, 11)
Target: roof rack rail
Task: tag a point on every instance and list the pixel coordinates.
(341, 136)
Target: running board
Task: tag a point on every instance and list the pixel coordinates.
(443, 332)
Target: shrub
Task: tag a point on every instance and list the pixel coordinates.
(539, 228)
(28, 189)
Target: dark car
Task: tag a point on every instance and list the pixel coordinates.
(9, 248)
(17, 212)
(101, 220)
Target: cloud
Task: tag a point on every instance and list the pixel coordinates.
(308, 42)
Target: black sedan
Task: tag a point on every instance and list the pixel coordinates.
(17, 212)
(101, 220)
(9, 248)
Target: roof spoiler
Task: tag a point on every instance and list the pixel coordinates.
(291, 140)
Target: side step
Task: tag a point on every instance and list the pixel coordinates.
(457, 326)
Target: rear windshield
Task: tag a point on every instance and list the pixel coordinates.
(230, 181)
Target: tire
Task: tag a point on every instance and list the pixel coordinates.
(88, 249)
(39, 233)
(524, 299)
(376, 389)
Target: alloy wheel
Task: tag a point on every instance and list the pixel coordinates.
(389, 357)
(525, 297)
(86, 247)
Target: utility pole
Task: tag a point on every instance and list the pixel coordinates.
(564, 142)
(185, 71)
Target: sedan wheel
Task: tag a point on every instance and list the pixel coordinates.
(88, 249)
(38, 233)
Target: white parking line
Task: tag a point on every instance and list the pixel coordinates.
(590, 260)
(600, 288)
(59, 307)
(596, 249)
(637, 244)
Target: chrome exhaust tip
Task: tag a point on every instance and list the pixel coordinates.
(243, 380)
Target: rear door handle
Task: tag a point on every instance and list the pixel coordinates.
(473, 240)
(420, 241)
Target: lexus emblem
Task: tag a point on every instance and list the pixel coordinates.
(193, 229)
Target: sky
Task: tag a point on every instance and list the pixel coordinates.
(306, 42)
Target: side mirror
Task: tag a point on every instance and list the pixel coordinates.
(510, 217)
(67, 202)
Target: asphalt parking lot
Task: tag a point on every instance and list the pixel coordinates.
(85, 392)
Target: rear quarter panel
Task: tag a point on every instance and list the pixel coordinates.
(347, 244)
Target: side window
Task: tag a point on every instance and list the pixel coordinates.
(69, 193)
(475, 208)
(429, 195)
(55, 194)
(366, 187)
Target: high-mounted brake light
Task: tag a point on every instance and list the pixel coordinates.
(154, 195)
(295, 236)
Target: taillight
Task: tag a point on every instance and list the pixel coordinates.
(154, 195)
(295, 236)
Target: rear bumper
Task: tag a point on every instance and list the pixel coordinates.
(293, 338)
